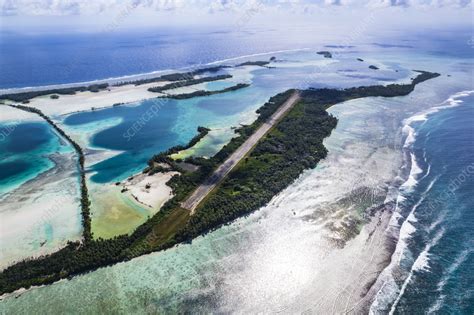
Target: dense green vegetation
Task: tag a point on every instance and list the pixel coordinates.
(26, 96)
(325, 53)
(206, 93)
(190, 74)
(154, 234)
(293, 145)
(175, 76)
(391, 90)
(157, 233)
(254, 63)
(423, 76)
(164, 157)
(159, 89)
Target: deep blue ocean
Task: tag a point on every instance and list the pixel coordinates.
(37, 60)
(439, 261)
(440, 251)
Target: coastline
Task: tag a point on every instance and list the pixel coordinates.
(149, 191)
(88, 101)
(55, 193)
(368, 230)
(119, 208)
(401, 225)
(145, 239)
(56, 104)
(139, 76)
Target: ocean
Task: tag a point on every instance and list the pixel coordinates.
(276, 259)
(29, 60)
(431, 268)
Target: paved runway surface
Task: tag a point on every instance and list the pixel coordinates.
(219, 174)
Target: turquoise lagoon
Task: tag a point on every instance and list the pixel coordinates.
(24, 152)
(151, 126)
(119, 140)
(39, 189)
(228, 269)
(128, 136)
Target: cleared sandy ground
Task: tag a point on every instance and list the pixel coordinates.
(12, 115)
(50, 213)
(85, 101)
(150, 191)
(120, 209)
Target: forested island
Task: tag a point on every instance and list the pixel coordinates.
(293, 145)
(205, 93)
(178, 79)
(179, 76)
(325, 53)
(164, 157)
(254, 63)
(24, 97)
(159, 89)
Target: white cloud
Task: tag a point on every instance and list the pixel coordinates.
(85, 7)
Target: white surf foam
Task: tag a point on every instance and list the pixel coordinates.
(137, 76)
(411, 216)
(415, 171)
(452, 101)
(438, 221)
(388, 290)
(407, 228)
(421, 263)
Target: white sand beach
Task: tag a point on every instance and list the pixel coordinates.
(42, 215)
(85, 101)
(120, 209)
(125, 94)
(150, 191)
(12, 115)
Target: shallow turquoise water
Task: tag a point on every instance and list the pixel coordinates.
(24, 152)
(261, 262)
(252, 262)
(152, 126)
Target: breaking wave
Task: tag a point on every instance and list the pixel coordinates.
(403, 223)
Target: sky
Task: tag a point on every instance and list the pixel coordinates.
(24, 15)
(85, 7)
